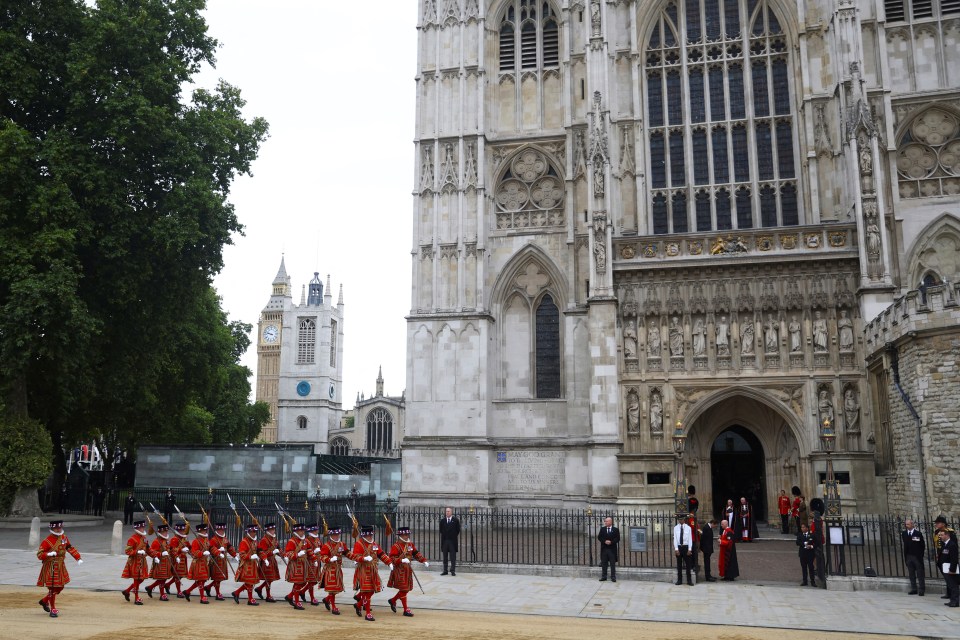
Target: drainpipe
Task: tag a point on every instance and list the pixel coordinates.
(895, 367)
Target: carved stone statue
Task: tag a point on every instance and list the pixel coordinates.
(633, 411)
(845, 327)
(653, 339)
(851, 410)
(723, 337)
(676, 338)
(746, 337)
(819, 333)
(598, 180)
(771, 335)
(629, 340)
(656, 412)
(825, 407)
(873, 239)
(796, 335)
(699, 338)
(600, 243)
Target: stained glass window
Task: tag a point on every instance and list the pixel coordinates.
(548, 348)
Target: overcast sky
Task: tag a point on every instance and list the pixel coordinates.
(331, 189)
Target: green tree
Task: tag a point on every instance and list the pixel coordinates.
(25, 449)
(113, 214)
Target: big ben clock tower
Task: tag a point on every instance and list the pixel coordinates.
(268, 349)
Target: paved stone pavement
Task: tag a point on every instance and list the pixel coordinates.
(745, 604)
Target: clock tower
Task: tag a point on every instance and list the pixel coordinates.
(300, 362)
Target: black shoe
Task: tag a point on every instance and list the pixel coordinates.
(270, 599)
(944, 597)
(139, 602)
(356, 607)
(803, 584)
(952, 604)
(920, 594)
(259, 592)
(689, 583)
(912, 592)
(289, 599)
(186, 596)
(678, 582)
(711, 579)
(126, 595)
(219, 598)
(812, 583)
(603, 579)
(453, 573)
(444, 573)
(408, 613)
(326, 603)
(236, 598)
(149, 592)
(613, 579)
(46, 607)
(393, 605)
(253, 603)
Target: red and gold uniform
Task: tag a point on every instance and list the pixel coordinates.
(331, 554)
(179, 550)
(220, 547)
(248, 570)
(137, 568)
(53, 574)
(366, 577)
(783, 507)
(296, 552)
(269, 560)
(401, 578)
(313, 563)
(162, 569)
(199, 569)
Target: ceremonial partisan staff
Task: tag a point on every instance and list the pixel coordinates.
(257, 522)
(173, 563)
(206, 519)
(147, 516)
(406, 554)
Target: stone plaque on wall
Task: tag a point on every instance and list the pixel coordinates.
(529, 471)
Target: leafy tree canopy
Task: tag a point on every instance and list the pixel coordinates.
(113, 214)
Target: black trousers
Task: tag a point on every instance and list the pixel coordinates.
(608, 556)
(806, 564)
(916, 572)
(953, 587)
(785, 523)
(685, 559)
(449, 556)
(706, 564)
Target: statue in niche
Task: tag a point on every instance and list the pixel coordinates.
(796, 335)
(600, 243)
(845, 328)
(598, 178)
(656, 412)
(771, 335)
(723, 337)
(676, 338)
(851, 410)
(825, 407)
(873, 238)
(699, 338)
(630, 340)
(819, 333)
(653, 340)
(633, 411)
(746, 337)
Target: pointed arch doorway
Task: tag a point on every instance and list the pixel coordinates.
(738, 470)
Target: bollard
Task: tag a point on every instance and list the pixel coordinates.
(116, 544)
(34, 540)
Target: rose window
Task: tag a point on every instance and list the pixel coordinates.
(530, 193)
(928, 159)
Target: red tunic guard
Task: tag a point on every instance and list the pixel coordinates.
(248, 571)
(53, 574)
(179, 550)
(162, 569)
(366, 577)
(136, 568)
(220, 548)
(270, 560)
(296, 553)
(199, 569)
(331, 554)
(401, 578)
(313, 562)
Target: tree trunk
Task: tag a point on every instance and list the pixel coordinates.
(26, 504)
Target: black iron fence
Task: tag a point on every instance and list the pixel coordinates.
(871, 545)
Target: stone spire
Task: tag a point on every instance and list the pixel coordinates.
(303, 295)
(380, 382)
(340, 297)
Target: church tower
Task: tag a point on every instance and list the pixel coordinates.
(300, 362)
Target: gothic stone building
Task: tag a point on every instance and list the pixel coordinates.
(300, 362)
(376, 428)
(629, 214)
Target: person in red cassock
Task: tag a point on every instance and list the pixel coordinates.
(162, 569)
(729, 568)
(331, 554)
(220, 548)
(401, 578)
(179, 550)
(53, 574)
(269, 561)
(366, 577)
(136, 568)
(248, 572)
(200, 567)
(296, 554)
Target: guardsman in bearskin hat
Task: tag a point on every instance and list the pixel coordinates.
(53, 574)
(136, 568)
(200, 567)
(331, 555)
(401, 578)
(366, 577)
(296, 554)
(270, 560)
(179, 548)
(249, 570)
(162, 569)
(313, 562)
(220, 547)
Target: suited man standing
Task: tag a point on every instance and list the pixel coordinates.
(683, 548)
(449, 545)
(809, 543)
(914, 552)
(609, 537)
(706, 546)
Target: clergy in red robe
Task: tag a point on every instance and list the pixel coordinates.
(53, 574)
(728, 565)
(402, 553)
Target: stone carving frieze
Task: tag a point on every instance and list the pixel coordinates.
(791, 396)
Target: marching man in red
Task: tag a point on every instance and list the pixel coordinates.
(248, 572)
(179, 548)
(53, 574)
(296, 554)
(220, 547)
(331, 554)
(199, 568)
(313, 562)
(401, 578)
(366, 577)
(270, 560)
(136, 568)
(162, 569)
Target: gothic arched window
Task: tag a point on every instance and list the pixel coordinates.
(928, 155)
(530, 193)
(339, 447)
(721, 121)
(529, 36)
(306, 340)
(547, 348)
(301, 422)
(379, 430)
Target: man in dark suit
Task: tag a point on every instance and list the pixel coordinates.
(914, 552)
(449, 545)
(808, 543)
(609, 537)
(706, 546)
(128, 507)
(169, 504)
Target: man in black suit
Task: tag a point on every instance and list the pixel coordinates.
(128, 507)
(808, 543)
(169, 505)
(609, 537)
(449, 545)
(914, 552)
(706, 546)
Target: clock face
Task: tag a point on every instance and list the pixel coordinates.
(332, 391)
(271, 333)
(303, 388)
